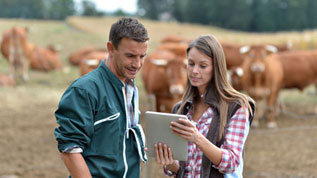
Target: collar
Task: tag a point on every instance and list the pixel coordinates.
(211, 98)
(109, 75)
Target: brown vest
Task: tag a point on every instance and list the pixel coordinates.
(211, 98)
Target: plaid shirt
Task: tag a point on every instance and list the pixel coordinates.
(232, 148)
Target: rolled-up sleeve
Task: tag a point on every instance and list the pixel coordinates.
(74, 116)
(235, 137)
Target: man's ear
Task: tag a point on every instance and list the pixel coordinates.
(110, 48)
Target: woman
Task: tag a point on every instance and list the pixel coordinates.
(219, 117)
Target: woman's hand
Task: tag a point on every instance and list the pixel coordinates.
(164, 156)
(186, 129)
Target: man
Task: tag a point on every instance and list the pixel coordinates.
(99, 133)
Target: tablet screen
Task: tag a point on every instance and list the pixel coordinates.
(158, 130)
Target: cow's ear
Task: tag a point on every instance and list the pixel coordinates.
(239, 71)
(159, 62)
(185, 62)
(271, 48)
(244, 49)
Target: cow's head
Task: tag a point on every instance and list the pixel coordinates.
(254, 79)
(256, 54)
(176, 74)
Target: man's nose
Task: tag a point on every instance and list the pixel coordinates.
(137, 62)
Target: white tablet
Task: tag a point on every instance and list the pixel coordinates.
(158, 130)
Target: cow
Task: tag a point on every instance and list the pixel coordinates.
(15, 48)
(5, 80)
(262, 79)
(233, 56)
(45, 59)
(265, 76)
(299, 68)
(164, 77)
(83, 53)
(91, 61)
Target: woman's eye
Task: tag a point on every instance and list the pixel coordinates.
(191, 64)
(203, 66)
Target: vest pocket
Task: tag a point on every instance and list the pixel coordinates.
(105, 140)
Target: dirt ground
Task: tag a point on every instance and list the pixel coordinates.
(28, 147)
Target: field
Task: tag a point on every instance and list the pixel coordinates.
(27, 144)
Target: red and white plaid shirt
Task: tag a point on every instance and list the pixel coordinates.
(232, 147)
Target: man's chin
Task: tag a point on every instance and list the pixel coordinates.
(130, 77)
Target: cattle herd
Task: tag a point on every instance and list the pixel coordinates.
(261, 71)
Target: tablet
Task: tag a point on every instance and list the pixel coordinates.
(158, 130)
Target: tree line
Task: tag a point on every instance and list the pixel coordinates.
(46, 9)
(244, 15)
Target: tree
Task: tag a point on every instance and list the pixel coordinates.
(60, 9)
(153, 9)
(89, 9)
(22, 9)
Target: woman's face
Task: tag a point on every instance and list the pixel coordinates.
(199, 69)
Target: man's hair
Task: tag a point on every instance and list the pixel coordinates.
(127, 27)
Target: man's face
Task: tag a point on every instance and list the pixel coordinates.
(127, 59)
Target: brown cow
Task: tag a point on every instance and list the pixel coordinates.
(45, 59)
(92, 61)
(289, 69)
(83, 53)
(232, 53)
(262, 79)
(15, 48)
(6, 81)
(164, 76)
(299, 68)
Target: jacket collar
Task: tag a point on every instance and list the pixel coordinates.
(110, 75)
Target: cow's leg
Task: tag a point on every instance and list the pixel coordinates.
(272, 109)
(25, 65)
(11, 62)
(259, 113)
(152, 101)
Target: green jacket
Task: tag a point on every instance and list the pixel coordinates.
(92, 115)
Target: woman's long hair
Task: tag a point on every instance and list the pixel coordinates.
(210, 46)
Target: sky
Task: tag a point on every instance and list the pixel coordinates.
(128, 6)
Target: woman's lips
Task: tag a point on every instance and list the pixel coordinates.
(194, 79)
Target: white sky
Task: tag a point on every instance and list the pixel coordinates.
(128, 6)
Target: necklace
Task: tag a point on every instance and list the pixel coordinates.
(202, 95)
